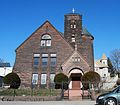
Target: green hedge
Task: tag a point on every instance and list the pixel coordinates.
(29, 92)
(13, 80)
(61, 81)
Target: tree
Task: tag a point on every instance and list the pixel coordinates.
(13, 80)
(115, 58)
(61, 81)
(90, 77)
(111, 70)
(110, 65)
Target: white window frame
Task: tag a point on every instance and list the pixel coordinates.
(46, 40)
(43, 79)
(35, 79)
(52, 76)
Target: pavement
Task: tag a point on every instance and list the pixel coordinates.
(47, 103)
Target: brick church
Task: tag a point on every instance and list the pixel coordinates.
(47, 52)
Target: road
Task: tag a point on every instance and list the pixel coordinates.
(47, 103)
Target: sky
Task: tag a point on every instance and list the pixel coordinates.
(20, 18)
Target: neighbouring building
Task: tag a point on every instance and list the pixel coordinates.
(5, 69)
(47, 52)
(102, 68)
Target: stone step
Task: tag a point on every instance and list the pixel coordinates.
(73, 93)
(74, 98)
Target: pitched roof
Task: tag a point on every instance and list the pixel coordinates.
(99, 64)
(104, 57)
(61, 34)
(86, 32)
(78, 55)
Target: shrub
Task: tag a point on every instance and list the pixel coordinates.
(61, 79)
(90, 77)
(13, 80)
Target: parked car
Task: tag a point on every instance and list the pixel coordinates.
(110, 98)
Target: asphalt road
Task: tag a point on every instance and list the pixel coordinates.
(48, 103)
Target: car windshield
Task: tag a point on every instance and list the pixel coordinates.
(114, 90)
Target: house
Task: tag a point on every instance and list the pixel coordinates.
(5, 69)
(47, 52)
(101, 67)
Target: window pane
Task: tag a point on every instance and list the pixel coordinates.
(44, 55)
(36, 61)
(35, 69)
(43, 78)
(53, 55)
(52, 78)
(35, 79)
(42, 42)
(52, 69)
(46, 37)
(53, 61)
(44, 61)
(36, 55)
(44, 69)
(48, 42)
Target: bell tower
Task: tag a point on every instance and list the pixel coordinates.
(75, 34)
(73, 28)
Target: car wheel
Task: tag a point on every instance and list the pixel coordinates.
(111, 101)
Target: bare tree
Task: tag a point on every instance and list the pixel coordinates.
(115, 58)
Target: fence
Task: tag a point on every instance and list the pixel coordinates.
(87, 90)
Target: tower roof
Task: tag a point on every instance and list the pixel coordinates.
(86, 32)
(104, 57)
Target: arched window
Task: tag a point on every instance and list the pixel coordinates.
(46, 40)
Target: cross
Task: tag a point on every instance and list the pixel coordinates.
(73, 10)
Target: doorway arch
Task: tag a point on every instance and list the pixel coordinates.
(75, 75)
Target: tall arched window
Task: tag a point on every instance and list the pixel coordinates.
(46, 40)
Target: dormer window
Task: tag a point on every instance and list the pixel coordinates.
(46, 40)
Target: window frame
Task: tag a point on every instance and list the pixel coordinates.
(35, 78)
(53, 57)
(45, 40)
(43, 79)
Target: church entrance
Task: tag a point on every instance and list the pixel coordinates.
(76, 80)
(75, 76)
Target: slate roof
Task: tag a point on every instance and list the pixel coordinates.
(86, 32)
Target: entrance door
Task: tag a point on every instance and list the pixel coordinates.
(76, 79)
(75, 84)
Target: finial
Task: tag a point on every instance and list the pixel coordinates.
(73, 10)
